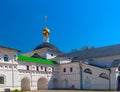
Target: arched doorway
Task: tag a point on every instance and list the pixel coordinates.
(87, 83)
(42, 84)
(65, 83)
(25, 84)
(55, 83)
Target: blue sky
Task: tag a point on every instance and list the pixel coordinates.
(73, 23)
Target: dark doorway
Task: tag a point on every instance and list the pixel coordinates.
(118, 83)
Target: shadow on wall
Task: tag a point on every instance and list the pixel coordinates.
(25, 84)
(53, 82)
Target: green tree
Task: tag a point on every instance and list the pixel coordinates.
(92, 47)
(85, 47)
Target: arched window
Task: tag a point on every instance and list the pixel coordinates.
(27, 67)
(6, 58)
(87, 70)
(71, 69)
(37, 68)
(64, 69)
(41, 67)
(104, 75)
(2, 80)
(66, 83)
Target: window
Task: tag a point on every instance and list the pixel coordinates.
(1, 80)
(10, 66)
(64, 69)
(15, 57)
(37, 68)
(6, 58)
(27, 67)
(41, 67)
(6, 66)
(87, 70)
(68, 58)
(119, 68)
(15, 67)
(71, 69)
(53, 69)
(104, 75)
(45, 69)
(51, 54)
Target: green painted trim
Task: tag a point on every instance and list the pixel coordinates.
(36, 60)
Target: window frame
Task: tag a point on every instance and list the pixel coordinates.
(27, 67)
(104, 75)
(88, 71)
(3, 79)
(37, 68)
(52, 54)
(45, 69)
(6, 58)
(64, 69)
(41, 67)
(71, 69)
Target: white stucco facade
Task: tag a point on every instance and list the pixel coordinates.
(16, 74)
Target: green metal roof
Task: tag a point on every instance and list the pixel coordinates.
(36, 60)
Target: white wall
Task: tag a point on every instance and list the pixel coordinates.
(35, 75)
(95, 81)
(64, 60)
(8, 68)
(10, 53)
(15, 71)
(50, 55)
(72, 77)
(114, 76)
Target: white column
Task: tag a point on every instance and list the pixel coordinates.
(46, 39)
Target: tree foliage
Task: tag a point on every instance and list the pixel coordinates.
(87, 48)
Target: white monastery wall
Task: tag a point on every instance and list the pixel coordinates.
(94, 81)
(72, 77)
(114, 75)
(34, 74)
(64, 60)
(12, 54)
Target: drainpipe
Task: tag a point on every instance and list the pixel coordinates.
(12, 74)
(81, 84)
(109, 79)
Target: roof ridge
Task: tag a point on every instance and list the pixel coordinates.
(96, 52)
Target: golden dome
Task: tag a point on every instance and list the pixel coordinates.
(46, 32)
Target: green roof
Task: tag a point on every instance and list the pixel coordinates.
(36, 60)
